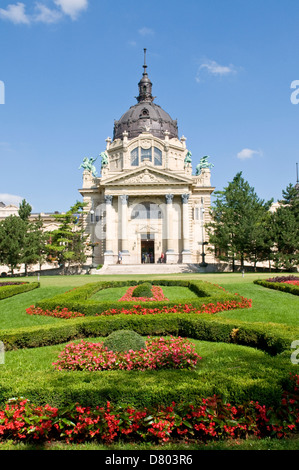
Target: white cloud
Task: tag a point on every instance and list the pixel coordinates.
(8, 199)
(146, 31)
(213, 68)
(46, 15)
(15, 13)
(43, 14)
(72, 8)
(246, 154)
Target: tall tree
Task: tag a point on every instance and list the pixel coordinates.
(68, 242)
(34, 238)
(237, 227)
(12, 235)
(24, 210)
(286, 229)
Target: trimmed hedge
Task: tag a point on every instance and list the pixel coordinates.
(79, 299)
(11, 290)
(273, 339)
(289, 288)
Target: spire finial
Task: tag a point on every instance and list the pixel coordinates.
(144, 66)
(145, 85)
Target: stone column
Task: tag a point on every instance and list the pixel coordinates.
(108, 255)
(169, 229)
(186, 253)
(123, 220)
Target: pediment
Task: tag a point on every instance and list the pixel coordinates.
(146, 176)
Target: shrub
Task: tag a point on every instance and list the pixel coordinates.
(143, 290)
(124, 340)
(281, 286)
(155, 295)
(18, 288)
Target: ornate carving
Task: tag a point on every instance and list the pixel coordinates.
(124, 198)
(185, 198)
(145, 144)
(147, 176)
(108, 199)
(169, 198)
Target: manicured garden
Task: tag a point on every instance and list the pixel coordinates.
(213, 364)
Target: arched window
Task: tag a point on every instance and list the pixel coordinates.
(157, 157)
(134, 157)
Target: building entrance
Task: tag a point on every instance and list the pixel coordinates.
(147, 251)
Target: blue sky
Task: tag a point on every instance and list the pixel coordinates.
(222, 68)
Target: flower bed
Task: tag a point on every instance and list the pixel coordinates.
(161, 353)
(287, 279)
(57, 312)
(210, 308)
(137, 309)
(157, 296)
(209, 419)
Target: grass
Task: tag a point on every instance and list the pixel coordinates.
(242, 445)
(223, 369)
(223, 365)
(172, 293)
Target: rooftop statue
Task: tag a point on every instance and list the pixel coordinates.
(88, 165)
(203, 164)
(188, 158)
(104, 158)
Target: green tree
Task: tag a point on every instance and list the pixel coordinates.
(237, 227)
(24, 210)
(34, 238)
(68, 242)
(286, 229)
(12, 235)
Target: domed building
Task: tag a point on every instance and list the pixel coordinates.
(147, 206)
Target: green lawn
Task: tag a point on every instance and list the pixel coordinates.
(235, 370)
(172, 293)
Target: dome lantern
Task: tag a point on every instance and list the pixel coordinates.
(145, 115)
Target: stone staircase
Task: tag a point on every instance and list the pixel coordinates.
(147, 269)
